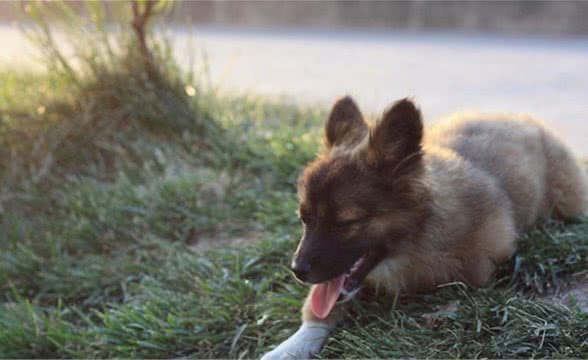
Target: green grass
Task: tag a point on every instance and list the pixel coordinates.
(109, 183)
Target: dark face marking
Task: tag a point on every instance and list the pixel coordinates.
(354, 208)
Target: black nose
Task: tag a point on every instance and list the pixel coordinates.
(301, 268)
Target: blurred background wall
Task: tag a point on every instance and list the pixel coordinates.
(516, 17)
(551, 17)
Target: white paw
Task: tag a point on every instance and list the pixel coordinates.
(305, 342)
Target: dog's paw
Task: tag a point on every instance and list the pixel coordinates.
(305, 342)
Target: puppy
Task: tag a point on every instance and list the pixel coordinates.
(391, 207)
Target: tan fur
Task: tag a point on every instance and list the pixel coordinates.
(515, 168)
(488, 179)
(380, 225)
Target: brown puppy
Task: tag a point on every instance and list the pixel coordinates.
(390, 207)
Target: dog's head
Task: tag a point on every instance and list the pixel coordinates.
(362, 198)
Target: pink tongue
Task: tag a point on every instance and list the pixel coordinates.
(324, 296)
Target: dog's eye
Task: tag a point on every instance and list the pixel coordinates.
(346, 223)
(350, 215)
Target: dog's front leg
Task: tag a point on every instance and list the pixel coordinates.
(303, 344)
(308, 340)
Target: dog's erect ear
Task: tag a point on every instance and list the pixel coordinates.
(395, 141)
(345, 123)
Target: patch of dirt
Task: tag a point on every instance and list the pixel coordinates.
(443, 312)
(573, 296)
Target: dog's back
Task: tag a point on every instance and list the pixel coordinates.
(489, 180)
(539, 175)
